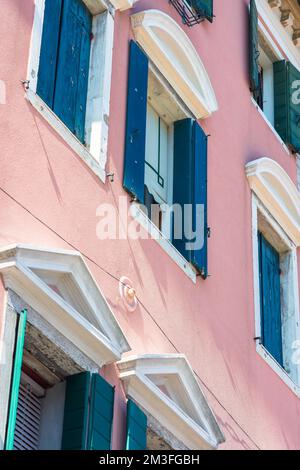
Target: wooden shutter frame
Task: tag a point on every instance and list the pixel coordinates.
(253, 51)
(16, 379)
(136, 420)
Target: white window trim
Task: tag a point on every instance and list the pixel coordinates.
(17, 263)
(135, 371)
(261, 350)
(155, 234)
(98, 97)
(165, 43)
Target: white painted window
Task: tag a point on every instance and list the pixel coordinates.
(94, 152)
(264, 223)
(267, 83)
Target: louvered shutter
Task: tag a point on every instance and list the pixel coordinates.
(88, 413)
(28, 419)
(135, 140)
(190, 192)
(253, 52)
(287, 103)
(271, 322)
(49, 51)
(73, 66)
(16, 378)
(136, 430)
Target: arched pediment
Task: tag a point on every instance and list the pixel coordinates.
(59, 286)
(278, 193)
(166, 388)
(170, 49)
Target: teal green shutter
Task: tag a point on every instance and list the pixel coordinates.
(73, 66)
(101, 414)
(88, 413)
(49, 51)
(190, 191)
(271, 322)
(253, 51)
(136, 432)
(204, 8)
(16, 378)
(135, 140)
(287, 106)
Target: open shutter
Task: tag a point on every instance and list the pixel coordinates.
(253, 51)
(190, 192)
(136, 433)
(88, 413)
(203, 7)
(73, 66)
(49, 51)
(287, 106)
(16, 378)
(271, 322)
(135, 143)
(101, 414)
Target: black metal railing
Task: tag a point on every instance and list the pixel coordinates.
(189, 11)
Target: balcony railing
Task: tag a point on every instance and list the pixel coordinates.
(190, 11)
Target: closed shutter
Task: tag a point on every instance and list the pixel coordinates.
(190, 192)
(286, 96)
(16, 378)
(203, 8)
(88, 413)
(28, 418)
(73, 66)
(49, 51)
(136, 432)
(64, 61)
(271, 322)
(135, 140)
(253, 52)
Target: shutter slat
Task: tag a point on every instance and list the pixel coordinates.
(136, 431)
(49, 49)
(135, 140)
(271, 321)
(253, 51)
(73, 66)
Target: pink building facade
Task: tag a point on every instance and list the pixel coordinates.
(196, 352)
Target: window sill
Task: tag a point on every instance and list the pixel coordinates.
(165, 244)
(270, 126)
(66, 134)
(266, 356)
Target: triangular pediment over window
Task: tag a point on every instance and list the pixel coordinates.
(59, 286)
(166, 388)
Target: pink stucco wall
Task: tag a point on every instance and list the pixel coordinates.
(49, 197)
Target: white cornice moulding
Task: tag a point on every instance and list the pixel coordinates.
(165, 386)
(59, 286)
(122, 4)
(278, 193)
(170, 49)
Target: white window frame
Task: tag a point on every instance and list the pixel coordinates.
(289, 298)
(99, 86)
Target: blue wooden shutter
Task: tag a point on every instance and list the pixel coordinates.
(16, 378)
(136, 433)
(203, 7)
(271, 322)
(49, 51)
(76, 412)
(190, 188)
(253, 51)
(73, 66)
(287, 107)
(101, 414)
(135, 143)
(88, 413)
